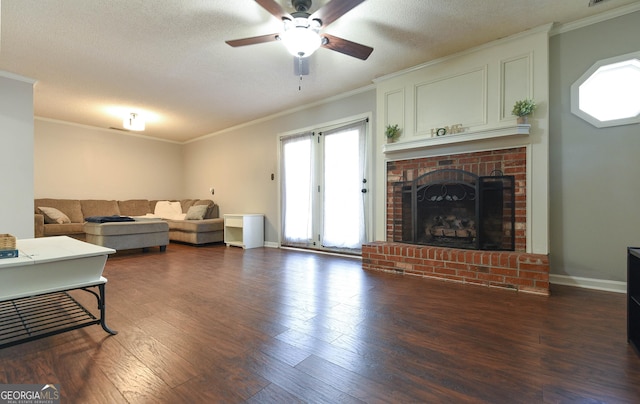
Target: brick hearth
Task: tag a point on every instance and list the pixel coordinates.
(503, 269)
(516, 270)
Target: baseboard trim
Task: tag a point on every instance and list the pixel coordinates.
(589, 283)
(271, 244)
(325, 252)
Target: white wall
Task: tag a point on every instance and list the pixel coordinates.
(82, 162)
(239, 162)
(16, 157)
(594, 172)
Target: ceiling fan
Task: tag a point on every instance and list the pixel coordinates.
(301, 32)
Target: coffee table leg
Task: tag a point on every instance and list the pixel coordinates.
(103, 307)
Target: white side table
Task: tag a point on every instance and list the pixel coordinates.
(244, 230)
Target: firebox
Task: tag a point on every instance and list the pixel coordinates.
(458, 209)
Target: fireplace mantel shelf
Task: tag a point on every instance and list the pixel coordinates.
(390, 148)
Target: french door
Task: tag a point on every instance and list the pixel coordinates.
(323, 188)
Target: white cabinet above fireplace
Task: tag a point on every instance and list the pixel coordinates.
(466, 97)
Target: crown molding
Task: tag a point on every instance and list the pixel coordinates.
(122, 132)
(287, 112)
(604, 16)
(17, 77)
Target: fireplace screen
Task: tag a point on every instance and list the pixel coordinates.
(456, 208)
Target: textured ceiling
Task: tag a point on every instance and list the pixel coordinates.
(94, 59)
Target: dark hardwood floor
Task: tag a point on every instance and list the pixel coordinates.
(217, 324)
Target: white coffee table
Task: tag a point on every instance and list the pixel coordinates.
(34, 302)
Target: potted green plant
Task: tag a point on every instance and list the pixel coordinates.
(392, 132)
(522, 109)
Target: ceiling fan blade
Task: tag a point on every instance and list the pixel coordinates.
(253, 40)
(334, 10)
(274, 9)
(347, 47)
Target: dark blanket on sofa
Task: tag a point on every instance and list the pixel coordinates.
(108, 219)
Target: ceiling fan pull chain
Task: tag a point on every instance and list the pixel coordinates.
(300, 71)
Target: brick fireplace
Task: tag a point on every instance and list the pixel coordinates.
(514, 269)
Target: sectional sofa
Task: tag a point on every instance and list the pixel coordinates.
(205, 226)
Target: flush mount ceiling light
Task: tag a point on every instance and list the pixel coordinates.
(133, 122)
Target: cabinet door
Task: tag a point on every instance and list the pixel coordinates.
(633, 297)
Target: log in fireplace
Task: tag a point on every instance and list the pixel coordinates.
(456, 208)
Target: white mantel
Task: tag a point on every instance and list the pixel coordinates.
(427, 142)
(474, 90)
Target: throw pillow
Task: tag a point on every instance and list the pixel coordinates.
(196, 212)
(168, 210)
(53, 215)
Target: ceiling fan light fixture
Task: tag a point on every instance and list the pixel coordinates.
(133, 122)
(301, 37)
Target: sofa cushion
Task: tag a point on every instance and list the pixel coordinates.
(63, 229)
(53, 215)
(197, 212)
(134, 207)
(197, 226)
(38, 225)
(99, 207)
(70, 207)
(122, 228)
(129, 241)
(187, 204)
(196, 238)
(212, 211)
(168, 210)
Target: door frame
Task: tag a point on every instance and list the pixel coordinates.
(369, 168)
